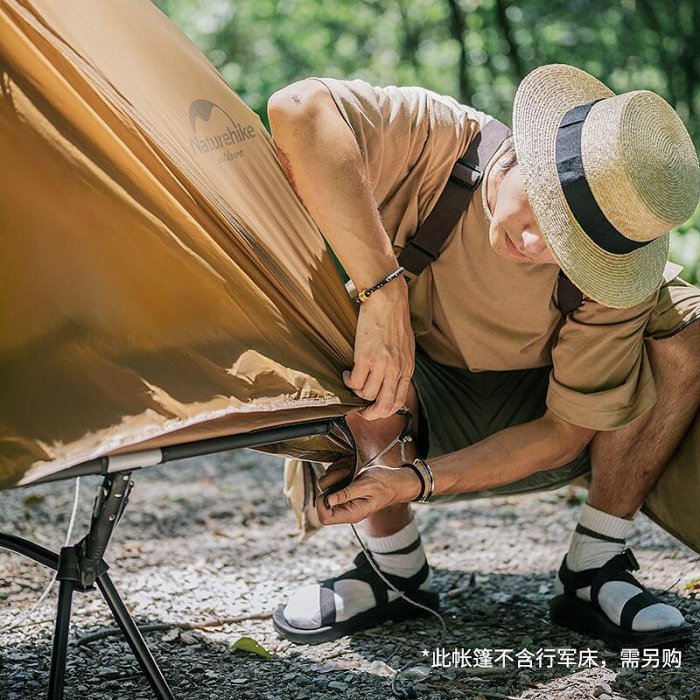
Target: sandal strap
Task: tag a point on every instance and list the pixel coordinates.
(327, 603)
(363, 571)
(615, 569)
(408, 548)
(573, 580)
(406, 584)
(642, 600)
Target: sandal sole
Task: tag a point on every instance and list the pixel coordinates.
(580, 616)
(396, 611)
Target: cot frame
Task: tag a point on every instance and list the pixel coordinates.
(81, 566)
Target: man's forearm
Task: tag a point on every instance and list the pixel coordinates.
(325, 166)
(505, 457)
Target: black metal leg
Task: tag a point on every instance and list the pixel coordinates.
(78, 568)
(60, 641)
(134, 638)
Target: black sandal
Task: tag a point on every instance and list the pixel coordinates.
(399, 609)
(568, 610)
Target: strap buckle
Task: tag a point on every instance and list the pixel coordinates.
(466, 174)
(631, 559)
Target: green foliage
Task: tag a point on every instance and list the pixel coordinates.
(476, 50)
(685, 248)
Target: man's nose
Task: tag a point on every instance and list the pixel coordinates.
(533, 243)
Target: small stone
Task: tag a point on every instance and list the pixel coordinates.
(602, 688)
(171, 635)
(109, 674)
(187, 638)
(338, 685)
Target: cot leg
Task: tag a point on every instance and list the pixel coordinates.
(134, 638)
(78, 568)
(60, 640)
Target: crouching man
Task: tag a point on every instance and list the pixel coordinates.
(511, 391)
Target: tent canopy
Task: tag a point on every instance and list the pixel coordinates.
(161, 281)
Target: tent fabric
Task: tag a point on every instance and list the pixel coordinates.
(161, 281)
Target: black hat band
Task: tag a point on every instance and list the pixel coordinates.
(577, 191)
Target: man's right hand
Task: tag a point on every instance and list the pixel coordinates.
(384, 351)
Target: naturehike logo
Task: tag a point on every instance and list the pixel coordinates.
(227, 132)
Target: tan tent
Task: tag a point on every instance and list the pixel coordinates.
(160, 280)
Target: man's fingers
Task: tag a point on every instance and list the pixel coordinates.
(356, 379)
(351, 512)
(372, 386)
(342, 496)
(382, 407)
(333, 476)
(401, 393)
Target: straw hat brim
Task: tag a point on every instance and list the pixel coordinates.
(542, 99)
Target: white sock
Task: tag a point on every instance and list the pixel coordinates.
(600, 536)
(303, 610)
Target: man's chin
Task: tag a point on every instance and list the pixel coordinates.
(500, 248)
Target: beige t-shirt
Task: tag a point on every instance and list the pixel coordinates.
(472, 308)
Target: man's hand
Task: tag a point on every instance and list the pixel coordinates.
(373, 489)
(384, 351)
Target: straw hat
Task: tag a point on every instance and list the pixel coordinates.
(607, 177)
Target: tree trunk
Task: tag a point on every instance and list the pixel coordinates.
(458, 29)
(514, 49)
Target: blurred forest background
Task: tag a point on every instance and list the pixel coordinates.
(475, 50)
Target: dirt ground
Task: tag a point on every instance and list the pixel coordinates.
(211, 539)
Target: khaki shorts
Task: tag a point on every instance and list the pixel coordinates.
(460, 408)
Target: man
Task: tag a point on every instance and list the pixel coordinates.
(508, 395)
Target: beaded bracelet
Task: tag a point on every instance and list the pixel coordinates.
(365, 293)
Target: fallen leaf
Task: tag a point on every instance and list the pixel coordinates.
(33, 500)
(414, 673)
(380, 668)
(693, 586)
(251, 646)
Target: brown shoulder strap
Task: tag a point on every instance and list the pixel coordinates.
(466, 175)
(569, 296)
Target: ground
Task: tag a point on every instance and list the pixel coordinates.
(211, 539)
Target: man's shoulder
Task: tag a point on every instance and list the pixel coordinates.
(423, 100)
